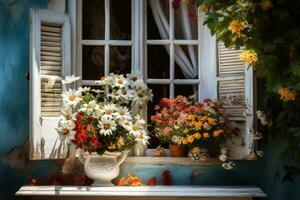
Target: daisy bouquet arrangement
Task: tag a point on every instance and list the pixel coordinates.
(99, 120)
(181, 121)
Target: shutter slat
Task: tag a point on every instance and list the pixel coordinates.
(230, 65)
(51, 61)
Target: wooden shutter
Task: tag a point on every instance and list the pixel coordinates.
(235, 89)
(49, 63)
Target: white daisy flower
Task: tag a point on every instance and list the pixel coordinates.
(66, 128)
(106, 126)
(68, 114)
(84, 89)
(70, 79)
(122, 113)
(71, 97)
(49, 84)
(126, 124)
(105, 80)
(109, 109)
(138, 127)
(142, 138)
(120, 81)
(89, 107)
(97, 91)
(228, 165)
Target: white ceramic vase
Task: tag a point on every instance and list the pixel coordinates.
(103, 168)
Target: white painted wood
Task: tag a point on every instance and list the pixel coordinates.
(58, 5)
(44, 142)
(169, 161)
(143, 191)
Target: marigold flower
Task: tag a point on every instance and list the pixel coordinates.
(236, 26)
(217, 132)
(266, 4)
(206, 135)
(190, 139)
(286, 94)
(248, 56)
(197, 136)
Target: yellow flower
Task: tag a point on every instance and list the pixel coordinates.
(190, 139)
(196, 150)
(197, 136)
(206, 135)
(202, 118)
(236, 26)
(266, 4)
(186, 130)
(184, 141)
(211, 121)
(191, 117)
(248, 56)
(197, 125)
(286, 94)
(217, 132)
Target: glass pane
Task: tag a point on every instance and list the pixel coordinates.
(92, 62)
(159, 92)
(158, 62)
(120, 59)
(152, 28)
(120, 19)
(93, 26)
(185, 24)
(186, 90)
(191, 55)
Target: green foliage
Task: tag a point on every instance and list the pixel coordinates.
(272, 30)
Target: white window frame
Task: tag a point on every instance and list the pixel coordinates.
(107, 42)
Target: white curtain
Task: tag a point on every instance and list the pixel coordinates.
(186, 60)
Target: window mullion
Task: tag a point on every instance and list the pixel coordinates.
(172, 56)
(107, 36)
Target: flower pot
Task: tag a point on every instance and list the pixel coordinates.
(178, 150)
(103, 168)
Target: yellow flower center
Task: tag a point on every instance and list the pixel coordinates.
(72, 98)
(135, 127)
(108, 111)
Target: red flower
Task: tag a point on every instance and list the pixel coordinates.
(180, 106)
(34, 181)
(79, 115)
(95, 143)
(80, 137)
(90, 119)
(167, 179)
(152, 181)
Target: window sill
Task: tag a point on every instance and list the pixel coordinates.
(175, 161)
(205, 192)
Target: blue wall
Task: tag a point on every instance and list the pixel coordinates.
(14, 63)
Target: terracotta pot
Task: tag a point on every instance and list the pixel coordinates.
(178, 150)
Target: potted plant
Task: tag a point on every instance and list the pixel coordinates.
(100, 123)
(201, 127)
(168, 126)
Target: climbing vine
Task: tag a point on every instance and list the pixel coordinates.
(268, 31)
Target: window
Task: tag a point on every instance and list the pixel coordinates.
(175, 55)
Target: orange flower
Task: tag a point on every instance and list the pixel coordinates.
(236, 26)
(286, 94)
(122, 181)
(217, 132)
(211, 121)
(206, 135)
(134, 180)
(197, 136)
